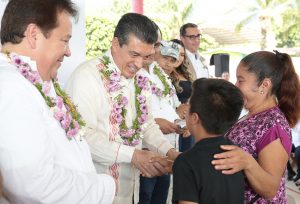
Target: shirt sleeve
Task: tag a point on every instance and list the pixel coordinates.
(273, 134)
(28, 163)
(87, 91)
(184, 182)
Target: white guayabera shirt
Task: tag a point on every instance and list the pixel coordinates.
(39, 164)
(86, 88)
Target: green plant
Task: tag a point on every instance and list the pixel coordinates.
(99, 33)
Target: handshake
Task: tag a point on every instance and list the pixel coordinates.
(152, 164)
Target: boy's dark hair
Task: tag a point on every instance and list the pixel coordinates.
(217, 102)
(139, 25)
(18, 14)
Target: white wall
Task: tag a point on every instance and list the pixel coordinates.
(77, 43)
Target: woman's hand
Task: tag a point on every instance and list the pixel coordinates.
(234, 159)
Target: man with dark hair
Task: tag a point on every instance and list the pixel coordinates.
(43, 158)
(190, 36)
(215, 106)
(113, 99)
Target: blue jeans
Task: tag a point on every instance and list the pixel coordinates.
(154, 190)
(186, 143)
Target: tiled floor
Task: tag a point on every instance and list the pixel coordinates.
(293, 193)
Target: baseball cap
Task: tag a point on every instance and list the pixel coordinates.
(169, 48)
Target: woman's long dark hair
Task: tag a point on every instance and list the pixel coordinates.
(285, 81)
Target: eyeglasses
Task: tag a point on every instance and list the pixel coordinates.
(194, 37)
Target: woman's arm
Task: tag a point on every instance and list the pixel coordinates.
(265, 175)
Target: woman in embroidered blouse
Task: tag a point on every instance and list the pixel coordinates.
(182, 80)
(271, 92)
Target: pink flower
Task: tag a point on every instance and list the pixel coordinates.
(124, 101)
(141, 98)
(117, 117)
(72, 132)
(127, 133)
(46, 88)
(24, 71)
(33, 77)
(142, 119)
(59, 114)
(135, 142)
(59, 102)
(139, 130)
(16, 59)
(115, 76)
(65, 123)
(100, 66)
(113, 86)
(159, 93)
(117, 110)
(143, 108)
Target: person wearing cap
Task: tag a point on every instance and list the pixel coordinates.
(164, 102)
(113, 99)
(190, 36)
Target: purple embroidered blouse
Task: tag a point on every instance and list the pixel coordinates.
(256, 132)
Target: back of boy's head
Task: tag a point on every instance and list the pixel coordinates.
(218, 104)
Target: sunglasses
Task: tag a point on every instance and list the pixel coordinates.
(194, 37)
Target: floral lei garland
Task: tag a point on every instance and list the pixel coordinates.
(168, 91)
(130, 135)
(62, 107)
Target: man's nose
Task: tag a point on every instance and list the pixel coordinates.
(68, 51)
(139, 62)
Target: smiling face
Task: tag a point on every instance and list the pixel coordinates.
(190, 41)
(166, 63)
(131, 56)
(247, 83)
(51, 50)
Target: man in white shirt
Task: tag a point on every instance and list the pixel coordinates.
(190, 36)
(43, 158)
(114, 101)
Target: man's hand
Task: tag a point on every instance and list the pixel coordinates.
(166, 126)
(164, 164)
(182, 110)
(141, 159)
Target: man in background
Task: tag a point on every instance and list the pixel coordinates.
(190, 36)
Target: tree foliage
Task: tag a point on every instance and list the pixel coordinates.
(266, 12)
(288, 32)
(99, 33)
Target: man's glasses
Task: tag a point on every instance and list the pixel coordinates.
(194, 37)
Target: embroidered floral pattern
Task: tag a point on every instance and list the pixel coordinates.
(61, 106)
(168, 91)
(112, 78)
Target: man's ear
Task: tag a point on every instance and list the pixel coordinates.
(31, 34)
(195, 118)
(115, 43)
